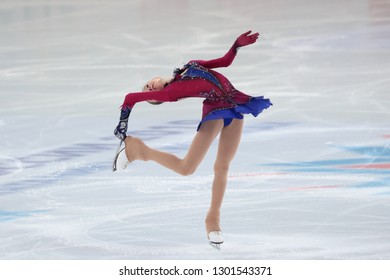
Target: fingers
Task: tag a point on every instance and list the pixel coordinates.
(254, 36)
(247, 38)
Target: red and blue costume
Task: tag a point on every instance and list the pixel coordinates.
(198, 79)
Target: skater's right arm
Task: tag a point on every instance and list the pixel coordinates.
(226, 60)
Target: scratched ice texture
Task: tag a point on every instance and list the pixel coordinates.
(311, 179)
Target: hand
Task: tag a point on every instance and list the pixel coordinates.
(247, 38)
(121, 129)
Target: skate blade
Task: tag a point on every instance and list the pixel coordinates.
(216, 246)
(118, 150)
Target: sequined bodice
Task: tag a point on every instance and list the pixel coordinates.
(193, 70)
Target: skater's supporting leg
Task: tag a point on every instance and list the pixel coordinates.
(136, 149)
(229, 141)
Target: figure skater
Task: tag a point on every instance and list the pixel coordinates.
(223, 109)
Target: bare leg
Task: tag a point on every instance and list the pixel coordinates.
(136, 149)
(227, 147)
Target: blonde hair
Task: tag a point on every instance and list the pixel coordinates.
(145, 88)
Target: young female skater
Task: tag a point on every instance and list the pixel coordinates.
(223, 107)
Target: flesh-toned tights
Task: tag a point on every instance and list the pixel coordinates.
(228, 143)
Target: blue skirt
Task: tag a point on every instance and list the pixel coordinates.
(255, 106)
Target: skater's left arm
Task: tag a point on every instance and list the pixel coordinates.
(130, 100)
(226, 60)
(171, 93)
(160, 96)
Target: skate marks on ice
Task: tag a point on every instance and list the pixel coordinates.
(314, 188)
(80, 209)
(333, 201)
(51, 165)
(9, 166)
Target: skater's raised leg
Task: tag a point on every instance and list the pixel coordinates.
(137, 150)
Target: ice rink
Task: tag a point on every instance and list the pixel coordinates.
(311, 179)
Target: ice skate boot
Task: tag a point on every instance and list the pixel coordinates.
(120, 161)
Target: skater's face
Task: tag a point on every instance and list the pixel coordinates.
(155, 84)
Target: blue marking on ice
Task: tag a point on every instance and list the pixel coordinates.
(373, 154)
(53, 178)
(351, 171)
(384, 182)
(373, 151)
(6, 216)
(266, 126)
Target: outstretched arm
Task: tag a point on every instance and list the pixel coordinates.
(130, 100)
(171, 93)
(224, 61)
(160, 96)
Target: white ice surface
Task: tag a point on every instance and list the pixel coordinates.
(311, 179)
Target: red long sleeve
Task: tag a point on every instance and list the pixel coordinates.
(173, 92)
(178, 90)
(132, 98)
(223, 61)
